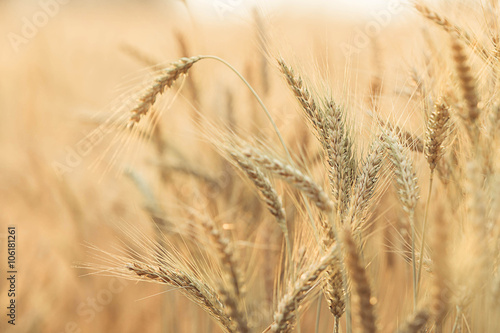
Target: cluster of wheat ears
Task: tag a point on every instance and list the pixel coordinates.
(447, 235)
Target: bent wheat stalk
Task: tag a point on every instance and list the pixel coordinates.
(172, 73)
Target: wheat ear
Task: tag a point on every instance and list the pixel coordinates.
(329, 124)
(301, 92)
(292, 176)
(285, 316)
(266, 190)
(408, 193)
(466, 80)
(406, 138)
(365, 311)
(435, 134)
(233, 310)
(165, 80)
(226, 255)
(339, 148)
(406, 180)
(334, 292)
(365, 186)
(472, 42)
(199, 292)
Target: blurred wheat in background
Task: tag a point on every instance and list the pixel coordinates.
(266, 168)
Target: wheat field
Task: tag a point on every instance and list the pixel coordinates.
(259, 170)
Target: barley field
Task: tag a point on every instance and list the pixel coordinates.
(184, 166)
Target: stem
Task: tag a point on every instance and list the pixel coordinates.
(278, 133)
(457, 318)
(336, 325)
(288, 245)
(423, 232)
(268, 114)
(413, 235)
(318, 314)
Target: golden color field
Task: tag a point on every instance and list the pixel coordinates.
(251, 170)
